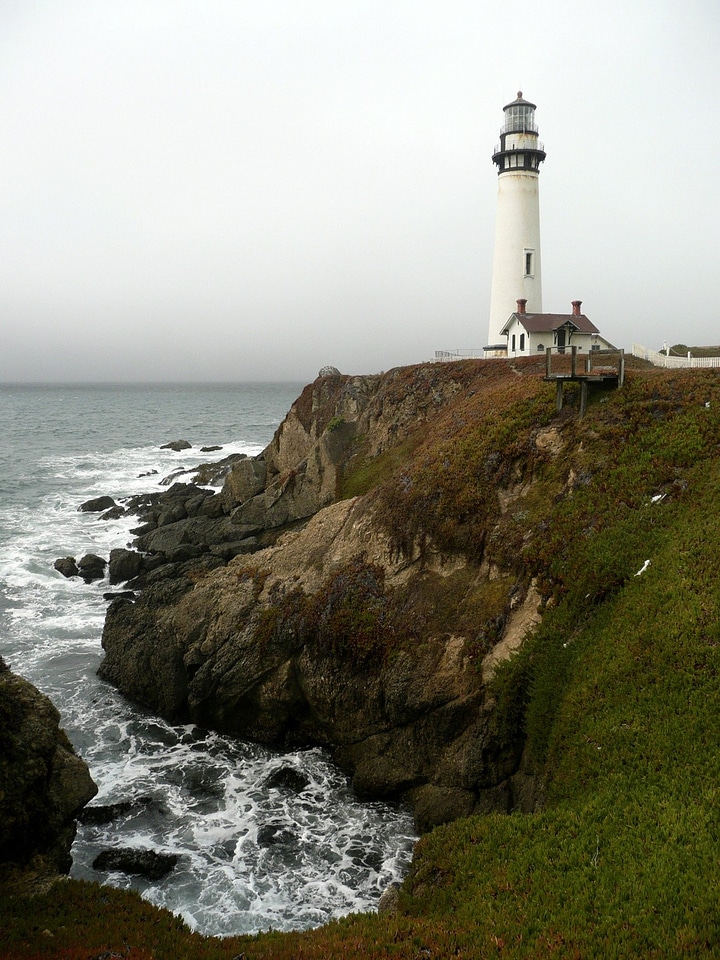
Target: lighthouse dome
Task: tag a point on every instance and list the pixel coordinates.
(520, 116)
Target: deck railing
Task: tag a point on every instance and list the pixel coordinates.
(567, 362)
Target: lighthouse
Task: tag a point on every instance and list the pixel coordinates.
(516, 260)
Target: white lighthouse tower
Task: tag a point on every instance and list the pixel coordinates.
(516, 261)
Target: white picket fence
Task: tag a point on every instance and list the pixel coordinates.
(661, 360)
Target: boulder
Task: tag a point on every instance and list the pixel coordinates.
(287, 778)
(97, 505)
(104, 813)
(275, 835)
(67, 566)
(91, 567)
(43, 783)
(114, 513)
(144, 863)
(245, 480)
(177, 445)
(124, 565)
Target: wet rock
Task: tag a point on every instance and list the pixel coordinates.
(91, 567)
(124, 565)
(104, 813)
(275, 834)
(177, 445)
(210, 449)
(43, 784)
(67, 566)
(114, 513)
(97, 505)
(287, 778)
(144, 863)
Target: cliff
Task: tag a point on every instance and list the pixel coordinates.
(613, 694)
(352, 628)
(43, 784)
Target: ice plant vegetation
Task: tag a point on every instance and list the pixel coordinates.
(614, 696)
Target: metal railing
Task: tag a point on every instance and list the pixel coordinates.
(444, 356)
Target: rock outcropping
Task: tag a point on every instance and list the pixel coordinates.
(319, 629)
(43, 783)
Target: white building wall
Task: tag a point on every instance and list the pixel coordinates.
(532, 341)
(517, 232)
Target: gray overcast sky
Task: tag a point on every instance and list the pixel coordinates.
(235, 190)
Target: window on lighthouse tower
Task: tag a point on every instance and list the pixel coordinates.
(528, 263)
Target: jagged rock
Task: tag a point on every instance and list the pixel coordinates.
(67, 566)
(124, 565)
(210, 449)
(43, 784)
(188, 537)
(389, 902)
(221, 648)
(230, 550)
(416, 728)
(287, 778)
(97, 505)
(275, 834)
(246, 479)
(177, 445)
(145, 863)
(329, 371)
(91, 567)
(104, 813)
(114, 513)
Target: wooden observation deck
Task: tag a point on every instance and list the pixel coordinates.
(606, 367)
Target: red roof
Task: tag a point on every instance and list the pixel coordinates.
(548, 322)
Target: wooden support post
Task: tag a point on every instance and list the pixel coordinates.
(583, 397)
(573, 362)
(588, 361)
(621, 369)
(558, 394)
(547, 361)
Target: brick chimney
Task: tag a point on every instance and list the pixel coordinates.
(576, 304)
(521, 306)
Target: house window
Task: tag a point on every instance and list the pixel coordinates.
(513, 343)
(529, 263)
(540, 348)
(522, 342)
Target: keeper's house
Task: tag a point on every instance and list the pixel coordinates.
(529, 333)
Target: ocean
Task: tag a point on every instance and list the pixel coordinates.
(186, 790)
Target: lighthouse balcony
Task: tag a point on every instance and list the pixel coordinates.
(535, 145)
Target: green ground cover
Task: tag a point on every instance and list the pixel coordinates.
(617, 696)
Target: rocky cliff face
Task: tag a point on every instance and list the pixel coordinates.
(323, 630)
(43, 784)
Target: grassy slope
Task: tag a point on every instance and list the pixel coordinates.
(617, 694)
